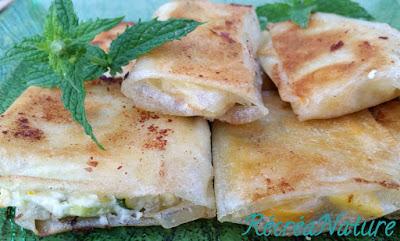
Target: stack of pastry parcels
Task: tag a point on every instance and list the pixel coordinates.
(291, 170)
(157, 170)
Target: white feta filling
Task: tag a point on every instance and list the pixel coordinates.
(53, 204)
(212, 101)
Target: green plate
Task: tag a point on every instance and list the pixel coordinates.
(25, 18)
(201, 230)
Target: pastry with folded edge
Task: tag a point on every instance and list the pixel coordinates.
(212, 72)
(334, 67)
(282, 167)
(156, 170)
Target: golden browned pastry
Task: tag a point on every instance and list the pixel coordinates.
(282, 167)
(212, 72)
(334, 67)
(156, 170)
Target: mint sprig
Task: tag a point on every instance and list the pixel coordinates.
(62, 57)
(299, 11)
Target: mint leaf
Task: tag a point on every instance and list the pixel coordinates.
(73, 97)
(50, 26)
(41, 75)
(274, 13)
(299, 11)
(61, 19)
(86, 31)
(94, 63)
(65, 14)
(27, 49)
(145, 36)
(12, 87)
(25, 74)
(263, 22)
(97, 56)
(343, 7)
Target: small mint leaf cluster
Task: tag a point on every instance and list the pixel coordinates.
(299, 11)
(63, 57)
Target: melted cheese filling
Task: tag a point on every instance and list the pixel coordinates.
(367, 205)
(211, 101)
(294, 211)
(60, 205)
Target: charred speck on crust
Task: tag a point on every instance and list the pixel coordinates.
(366, 44)
(157, 138)
(385, 184)
(228, 23)
(23, 120)
(25, 131)
(110, 80)
(51, 109)
(241, 5)
(227, 37)
(280, 186)
(224, 35)
(145, 116)
(350, 198)
(126, 75)
(92, 163)
(337, 46)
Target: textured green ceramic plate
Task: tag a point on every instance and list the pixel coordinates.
(24, 18)
(201, 230)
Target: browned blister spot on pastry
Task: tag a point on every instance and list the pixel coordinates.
(273, 187)
(156, 138)
(51, 109)
(24, 130)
